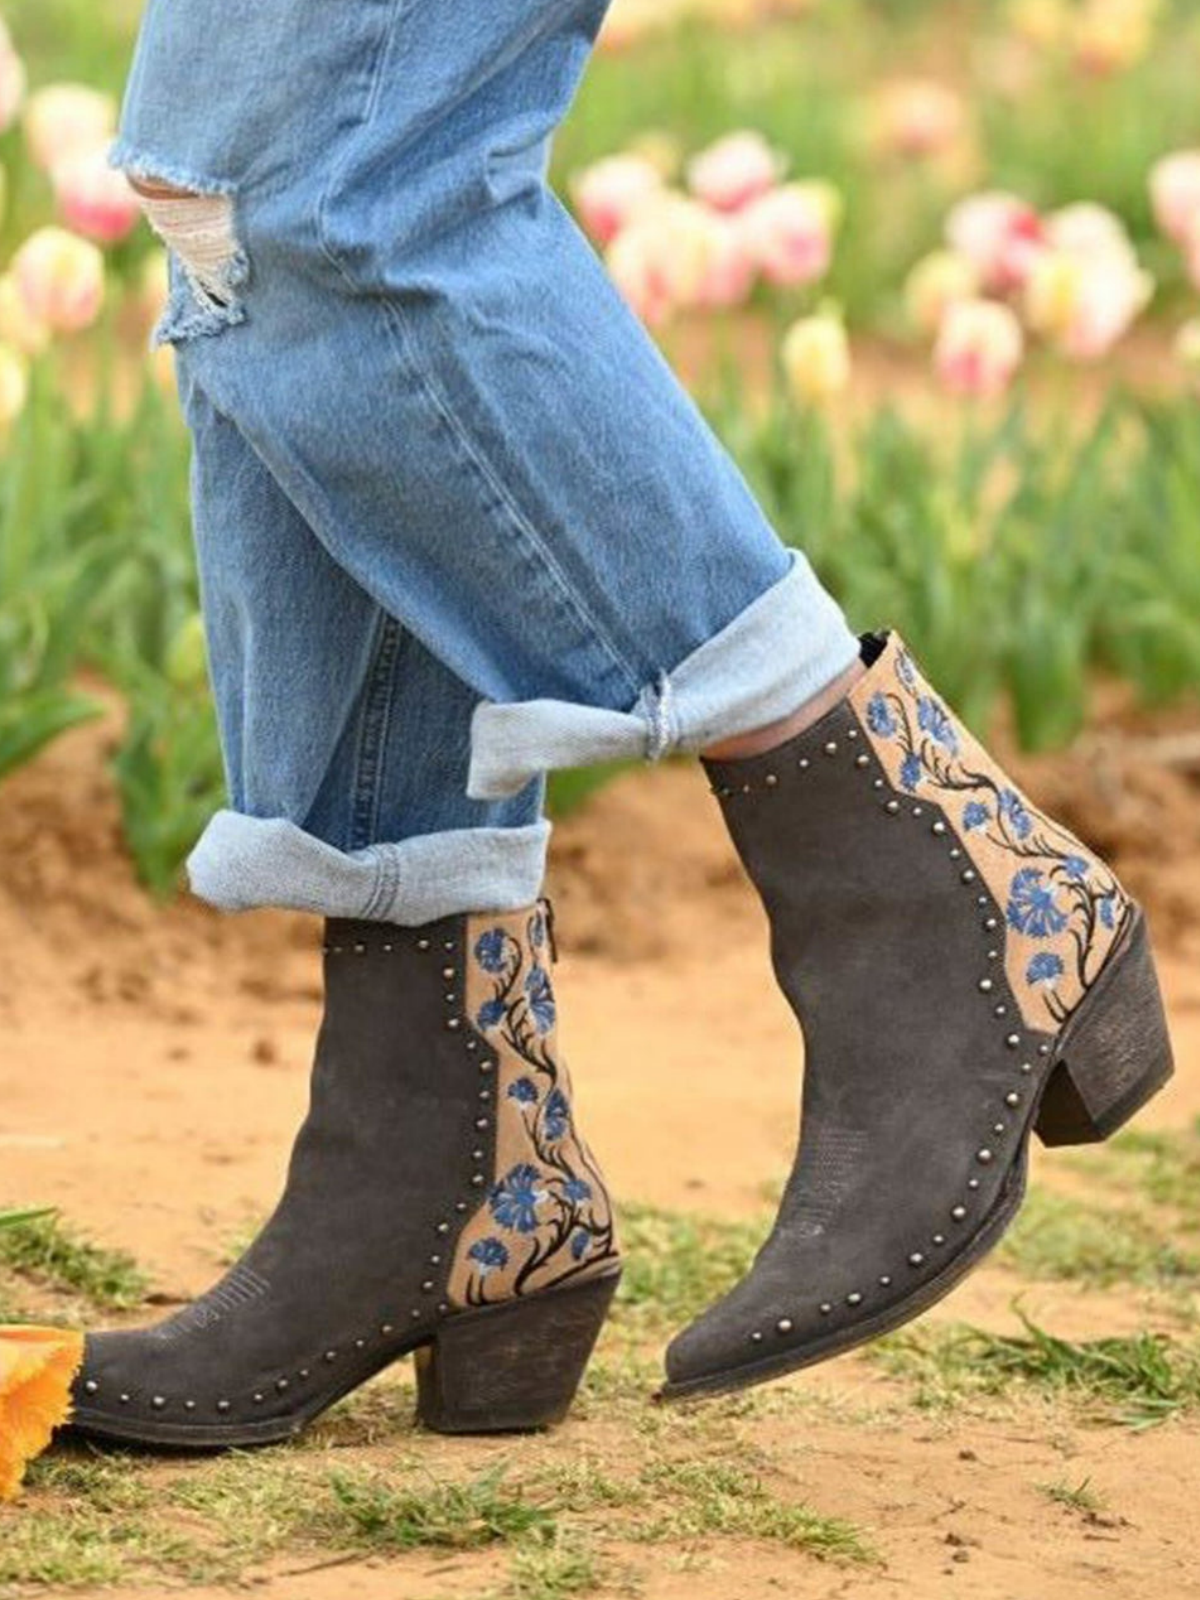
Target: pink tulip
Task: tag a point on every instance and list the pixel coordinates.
(1001, 234)
(729, 270)
(1113, 35)
(979, 349)
(95, 200)
(17, 327)
(1087, 287)
(937, 282)
(65, 119)
(917, 117)
(60, 278)
(789, 234)
(734, 171)
(608, 193)
(1175, 191)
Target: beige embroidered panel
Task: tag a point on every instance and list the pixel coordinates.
(547, 1215)
(1062, 908)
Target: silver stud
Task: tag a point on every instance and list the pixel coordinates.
(158, 1402)
(968, 875)
(303, 1373)
(435, 1261)
(386, 1329)
(481, 1123)
(189, 1405)
(862, 760)
(986, 985)
(916, 1259)
(918, 811)
(892, 808)
(91, 1386)
(415, 1313)
(1001, 1010)
(825, 1308)
(478, 1155)
(756, 1337)
(427, 1286)
(878, 783)
(447, 973)
(956, 854)
(360, 949)
(222, 1405)
(939, 1238)
(805, 763)
(998, 1129)
(451, 998)
(124, 1399)
(854, 1299)
(972, 1183)
(959, 1213)
(1012, 1098)
(984, 1157)
(453, 1024)
(460, 1205)
(477, 1180)
(1026, 1068)
(360, 1344)
(784, 1325)
(981, 900)
(886, 1281)
(991, 924)
(1043, 1049)
(442, 1228)
(259, 1398)
(771, 780)
(852, 733)
(1013, 1040)
(484, 1094)
(442, 1308)
(422, 944)
(993, 955)
(831, 747)
(745, 788)
(331, 1355)
(472, 1045)
(449, 945)
(281, 1384)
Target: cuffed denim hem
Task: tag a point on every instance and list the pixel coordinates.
(242, 862)
(780, 651)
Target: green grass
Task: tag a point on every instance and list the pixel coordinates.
(1074, 1241)
(676, 1263)
(47, 1251)
(1136, 1380)
(1080, 1497)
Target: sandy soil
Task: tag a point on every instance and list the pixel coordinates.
(153, 1067)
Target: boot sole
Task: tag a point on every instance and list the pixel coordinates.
(1112, 1057)
(513, 1367)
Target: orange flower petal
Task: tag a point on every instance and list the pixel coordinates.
(36, 1369)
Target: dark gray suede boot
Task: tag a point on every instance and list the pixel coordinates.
(966, 973)
(439, 1200)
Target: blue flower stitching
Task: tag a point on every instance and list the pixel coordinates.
(1031, 907)
(490, 949)
(490, 1253)
(514, 1199)
(905, 670)
(524, 1091)
(910, 770)
(490, 1013)
(557, 1116)
(1045, 968)
(933, 719)
(879, 716)
(1108, 911)
(1012, 809)
(537, 931)
(1076, 867)
(580, 1244)
(577, 1191)
(975, 815)
(541, 998)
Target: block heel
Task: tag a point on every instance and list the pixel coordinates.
(512, 1367)
(1116, 1052)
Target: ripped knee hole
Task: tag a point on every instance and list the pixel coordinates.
(199, 229)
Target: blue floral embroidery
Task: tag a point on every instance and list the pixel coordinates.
(515, 1198)
(975, 815)
(557, 1116)
(1045, 967)
(490, 1253)
(537, 931)
(933, 719)
(580, 1244)
(1108, 911)
(1031, 907)
(910, 770)
(490, 950)
(1076, 868)
(541, 998)
(524, 1091)
(491, 1012)
(905, 670)
(879, 716)
(577, 1191)
(1012, 809)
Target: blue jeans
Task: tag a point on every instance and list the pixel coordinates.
(457, 522)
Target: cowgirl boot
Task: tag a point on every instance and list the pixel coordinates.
(966, 974)
(439, 1202)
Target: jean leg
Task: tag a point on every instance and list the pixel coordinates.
(346, 743)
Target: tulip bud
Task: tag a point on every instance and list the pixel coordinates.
(18, 327)
(816, 360)
(788, 232)
(60, 279)
(979, 349)
(609, 193)
(734, 171)
(93, 199)
(1175, 192)
(918, 118)
(937, 282)
(1001, 234)
(66, 118)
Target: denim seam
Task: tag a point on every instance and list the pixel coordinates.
(386, 886)
(372, 733)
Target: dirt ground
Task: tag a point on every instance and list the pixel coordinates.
(153, 1067)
